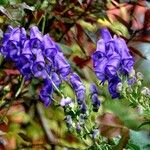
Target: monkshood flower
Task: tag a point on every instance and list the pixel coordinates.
(83, 108)
(13, 42)
(94, 97)
(78, 86)
(112, 86)
(46, 92)
(111, 59)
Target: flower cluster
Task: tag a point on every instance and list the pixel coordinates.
(111, 59)
(36, 56)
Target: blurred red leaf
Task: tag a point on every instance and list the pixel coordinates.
(110, 125)
(81, 62)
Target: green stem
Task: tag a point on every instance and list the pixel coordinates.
(20, 88)
(43, 24)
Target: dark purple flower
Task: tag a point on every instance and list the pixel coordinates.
(76, 82)
(80, 96)
(38, 67)
(106, 36)
(55, 78)
(93, 89)
(83, 108)
(50, 49)
(95, 102)
(127, 60)
(113, 82)
(36, 39)
(111, 59)
(61, 65)
(13, 42)
(78, 86)
(46, 92)
(112, 66)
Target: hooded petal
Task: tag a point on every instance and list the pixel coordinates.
(106, 36)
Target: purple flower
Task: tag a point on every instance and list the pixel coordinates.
(38, 67)
(93, 88)
(113, 82)
(127, 61)
(80, 96)
(132, 80)
(46, 92)
(76, 82)
(95, 133)
(56, 79)
(111, 58)
(94, 97)
(95, 102)
(36, 39)
(78, 86)
(61, 65)
(13, 42)
(65, 101)
(83, 108)
(50, 49)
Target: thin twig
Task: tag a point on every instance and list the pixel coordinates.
(50, 137)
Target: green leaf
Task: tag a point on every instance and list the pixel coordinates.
(140, 139)
(66, 49)
(119, 29)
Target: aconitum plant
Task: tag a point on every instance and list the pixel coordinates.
(112, 59)
(38, 56)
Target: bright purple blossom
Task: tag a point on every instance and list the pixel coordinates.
(46, 92)
(94, 97)
(78, 87)
(112, 86)
(111, 58)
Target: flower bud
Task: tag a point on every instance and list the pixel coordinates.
(145, 91)
(78, 127)
(69, 121)
(95, 133)
(119, 87)
(139, 83)
(132, 73)
(140, 76)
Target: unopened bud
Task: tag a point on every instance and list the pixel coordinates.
(139, 83)
(145, 91)
(140, 76)
(132, 73)
(119, 87)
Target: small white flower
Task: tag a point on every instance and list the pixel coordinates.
(65, 101)
(119, 87)
(140, 76)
